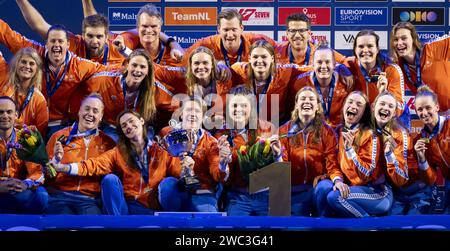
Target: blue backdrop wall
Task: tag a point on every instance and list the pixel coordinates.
(187, 20)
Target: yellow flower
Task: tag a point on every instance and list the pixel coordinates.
(266, 148)
(31, 141)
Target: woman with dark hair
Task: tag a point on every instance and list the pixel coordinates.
(23, 85)
(411, 194)
(131, 163)
(373, 72)
(135, 89)
(358, 156)
(433, 146)
(310, 145)
(422, 65)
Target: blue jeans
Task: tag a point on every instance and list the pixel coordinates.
(26, 202)
(113, 199)
(172, 198)
(72, 202)
(321, 191)
(363, 201)
(412, 200)
(245, 204)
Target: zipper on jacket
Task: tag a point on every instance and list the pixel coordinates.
(305, 141)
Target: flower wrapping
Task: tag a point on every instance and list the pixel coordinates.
(30, 147)
(254, 157)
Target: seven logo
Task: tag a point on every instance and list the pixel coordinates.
(256, 16)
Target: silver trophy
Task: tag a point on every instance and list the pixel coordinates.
(177, 143)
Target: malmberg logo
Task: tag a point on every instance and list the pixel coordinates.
(185, 40)
(123, 16)
(190, 16)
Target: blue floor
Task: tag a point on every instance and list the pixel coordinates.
(196, 221)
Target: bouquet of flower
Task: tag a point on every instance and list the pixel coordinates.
(254, 157)
(30, 147)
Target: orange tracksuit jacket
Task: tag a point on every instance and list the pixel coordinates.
(438, 150)
(284, 76)
(394, 75)
(339, 95)
(77, 151)
(282, 54)
(78, 70)
(401, 165)
(35, 113)
(19, 169)
(109, 85)
(3, 72)
(206, 157)
(309, 159)
(175, 79)
(131, 39)
(78, 46)
(265, 129)
(213, 43)
(435, 62)
(361, 166)
(135, 187)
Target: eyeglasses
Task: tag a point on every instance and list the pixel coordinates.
(294, 31)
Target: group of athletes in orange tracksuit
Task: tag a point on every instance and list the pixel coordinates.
(103, 102)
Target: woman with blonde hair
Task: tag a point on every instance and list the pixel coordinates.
(309, 143)
(412, 194)
(203, 77)
(23, 85)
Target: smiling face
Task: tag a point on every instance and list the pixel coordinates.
(149, 28)
(230, 32)
(26, 68)
(138, 69)
(323, 64)
(403, 43)
(427, 110)
(366, 50)
(8, 114)
(57, 46)
(239, 108)
(201, 66)
(298, 34)
(353, 109)
(90, 114)
(132, 126)
(192, 115)
(261, 62)
(384, 109)
(306, 105)
(95, 39)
